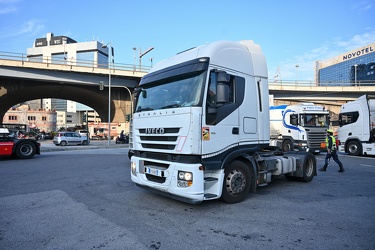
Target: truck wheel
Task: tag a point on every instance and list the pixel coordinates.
(309, 167)
(25, 150)
(237, 182)
(287, 146)
(63, 143)
(354, 148)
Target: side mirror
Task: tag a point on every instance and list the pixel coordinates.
(222, 95)
(144, 93)
(294, 119)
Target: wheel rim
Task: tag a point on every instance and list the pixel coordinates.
(309, 170)
(353, 148)
(26, 149)
(235, 182)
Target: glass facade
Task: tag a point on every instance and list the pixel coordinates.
(353, 70)
(58, 58)
(86, 58)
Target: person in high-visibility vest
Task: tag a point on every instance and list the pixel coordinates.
(331, 152)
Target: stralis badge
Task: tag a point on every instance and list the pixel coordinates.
(205, 133)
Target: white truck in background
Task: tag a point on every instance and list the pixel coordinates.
(356, 132)
(200, 129)
(302, 126)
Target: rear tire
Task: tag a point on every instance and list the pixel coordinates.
(309, 167)
(63, 143)
(237, 182)
(25, 150)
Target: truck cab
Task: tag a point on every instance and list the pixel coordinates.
(299, 127)
(201, 125)
(356, 131)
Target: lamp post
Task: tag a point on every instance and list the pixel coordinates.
(134, 49)
(109, 46)
(355, 74)
(297, 66)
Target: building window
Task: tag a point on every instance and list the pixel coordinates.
(12, 118)
(31, 118)
(44, 118)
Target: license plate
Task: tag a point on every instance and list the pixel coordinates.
(154, 171)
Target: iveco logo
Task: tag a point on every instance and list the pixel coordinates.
(154, 131)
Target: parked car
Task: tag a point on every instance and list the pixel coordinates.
(64, 138)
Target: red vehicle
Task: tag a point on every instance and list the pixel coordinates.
(20, 148)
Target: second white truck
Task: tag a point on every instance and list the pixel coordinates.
(302, 126)
(356, 133)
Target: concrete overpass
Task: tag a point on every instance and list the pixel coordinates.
(332, 97)
(22, 80)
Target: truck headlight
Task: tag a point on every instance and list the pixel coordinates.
(185, 179)
(133, 167)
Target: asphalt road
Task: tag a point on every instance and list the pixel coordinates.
(84, 199)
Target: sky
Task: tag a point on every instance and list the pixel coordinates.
(290, 32)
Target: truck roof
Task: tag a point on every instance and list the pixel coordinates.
(247, 57)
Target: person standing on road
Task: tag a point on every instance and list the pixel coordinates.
(331, 152)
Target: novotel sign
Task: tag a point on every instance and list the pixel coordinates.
(358, 53)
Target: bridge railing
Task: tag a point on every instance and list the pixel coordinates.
(61, 60)
(299, 83)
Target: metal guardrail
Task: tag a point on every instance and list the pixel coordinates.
(294, 83)
(69, 62)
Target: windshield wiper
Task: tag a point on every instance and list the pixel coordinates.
(144, 109)
(175, 105)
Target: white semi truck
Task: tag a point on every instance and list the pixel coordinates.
(356, 133)
(200, 129)
(302, 126)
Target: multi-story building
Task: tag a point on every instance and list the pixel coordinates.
(356, 67)
(64, 50)
(39, 119)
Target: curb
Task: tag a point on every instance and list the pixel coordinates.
(81, 147)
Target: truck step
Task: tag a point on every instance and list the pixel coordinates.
(210, 196)
(210, 179)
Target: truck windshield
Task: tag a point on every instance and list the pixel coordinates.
(315, 120)
(181, 92)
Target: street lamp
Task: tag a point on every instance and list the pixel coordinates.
(134, 49)
(297, 66)
(109, 46)
(355, 74)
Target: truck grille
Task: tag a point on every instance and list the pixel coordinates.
(166, 141)
(315, 138)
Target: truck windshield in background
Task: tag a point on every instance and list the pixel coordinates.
(181, 92)
(315, 120)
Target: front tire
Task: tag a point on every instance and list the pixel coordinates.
(287, 146)
(25, 150)
(354, 148)
(237, 182)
